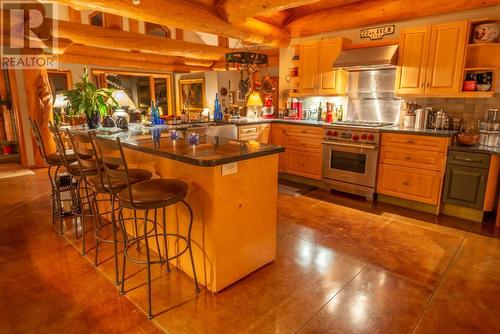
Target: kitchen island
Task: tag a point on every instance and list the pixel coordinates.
(233, 187)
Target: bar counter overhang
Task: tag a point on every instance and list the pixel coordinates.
(235, 215)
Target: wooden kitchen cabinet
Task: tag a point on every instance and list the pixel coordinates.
(410, 183)
(258, 132)
(303, 163)
(303, 153)
(316, 75)
(431, 59)
(278, 137)
(309, 65)
(412, 61)
(465, 186)
(446, 58)
(412, 167)
(331, 82)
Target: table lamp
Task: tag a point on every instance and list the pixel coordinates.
(254, 101)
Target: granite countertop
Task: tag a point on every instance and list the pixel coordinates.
(475, 149)
(423, 132)
(210, 151)
(243, 122)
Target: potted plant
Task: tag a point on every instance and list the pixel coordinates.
(8, 147)
(88, 100)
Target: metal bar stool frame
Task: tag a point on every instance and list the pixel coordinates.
(120, 160)
(79, 175)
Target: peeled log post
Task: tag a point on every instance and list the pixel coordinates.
(39, 99)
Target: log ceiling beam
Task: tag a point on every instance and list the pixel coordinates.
(72, 58)
(116, 39)
(237, 10)
(187, 15)
(371, 12)
(137, 56)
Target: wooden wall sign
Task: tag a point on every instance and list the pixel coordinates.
(376, 33)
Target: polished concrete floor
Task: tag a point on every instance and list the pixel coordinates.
(343, 266)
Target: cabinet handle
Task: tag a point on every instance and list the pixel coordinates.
(428, 85)
(408, 158)
(406, 183)
(410, 142)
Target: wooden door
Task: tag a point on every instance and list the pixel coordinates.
(308, 70)
(264, 133)
(446, 58)
(330, 81)
(278, 137)
(412, 60)
(305, 164)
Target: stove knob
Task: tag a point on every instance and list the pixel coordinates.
(335, 133)
(329, 133)
(355, 137)
(363, 136)
(371, 137)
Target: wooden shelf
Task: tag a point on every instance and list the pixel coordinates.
(477, 45)
(472, 69)
(476, 94)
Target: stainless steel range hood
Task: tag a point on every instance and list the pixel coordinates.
(379, 57)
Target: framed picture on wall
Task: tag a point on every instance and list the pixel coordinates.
(192, 94)
(240, 96)
(230, 97)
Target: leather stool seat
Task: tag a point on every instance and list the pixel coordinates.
(135, 175)
(152, 194)
(55, 158)
(74, 169)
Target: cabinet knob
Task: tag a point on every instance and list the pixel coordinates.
(408, 158)
(406, 183)
(428, 85)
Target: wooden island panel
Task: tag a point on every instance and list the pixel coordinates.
(234, 230)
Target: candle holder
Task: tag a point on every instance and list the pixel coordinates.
(174, 135)
(193, 139)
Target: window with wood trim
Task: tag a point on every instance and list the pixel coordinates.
(141, 88)
(96, 19)
(157, 30)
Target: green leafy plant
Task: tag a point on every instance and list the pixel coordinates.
(86, 99)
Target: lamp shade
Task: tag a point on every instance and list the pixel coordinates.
(60, 101)
(254, 100)
(123, 99)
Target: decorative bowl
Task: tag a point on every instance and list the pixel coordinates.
(486, 33)
(468, 139)
(483, 87)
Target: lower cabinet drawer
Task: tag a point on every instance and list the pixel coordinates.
(409, 183)
(304, 143)
(412, 158)
(305, 131)
(465, 186)
(415, 142)
(305, 164)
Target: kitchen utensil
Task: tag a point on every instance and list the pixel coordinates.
(421, 118)
(409, 122)
(493, 139)
(442, 120)
(486, 33)
(468, 139)
(223, 91)
(493, 115)
(456, 123)
(484, 138)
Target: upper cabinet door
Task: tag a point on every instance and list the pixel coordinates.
(446, 58)
(308, 72)
(412, 60)
(330, 80)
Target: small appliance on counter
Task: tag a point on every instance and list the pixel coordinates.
(490, 129)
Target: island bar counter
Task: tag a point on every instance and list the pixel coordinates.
(234, 206)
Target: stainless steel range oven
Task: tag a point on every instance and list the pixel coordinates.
(350, 157)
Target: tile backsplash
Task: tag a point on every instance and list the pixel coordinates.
(470, 110)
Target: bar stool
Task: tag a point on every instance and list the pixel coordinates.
(145, 196)
(87, 158)
(53, 160)
(80, 174)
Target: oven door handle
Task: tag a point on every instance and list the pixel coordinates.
(369, 147)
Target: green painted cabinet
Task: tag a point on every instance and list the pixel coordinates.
(465, 183)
